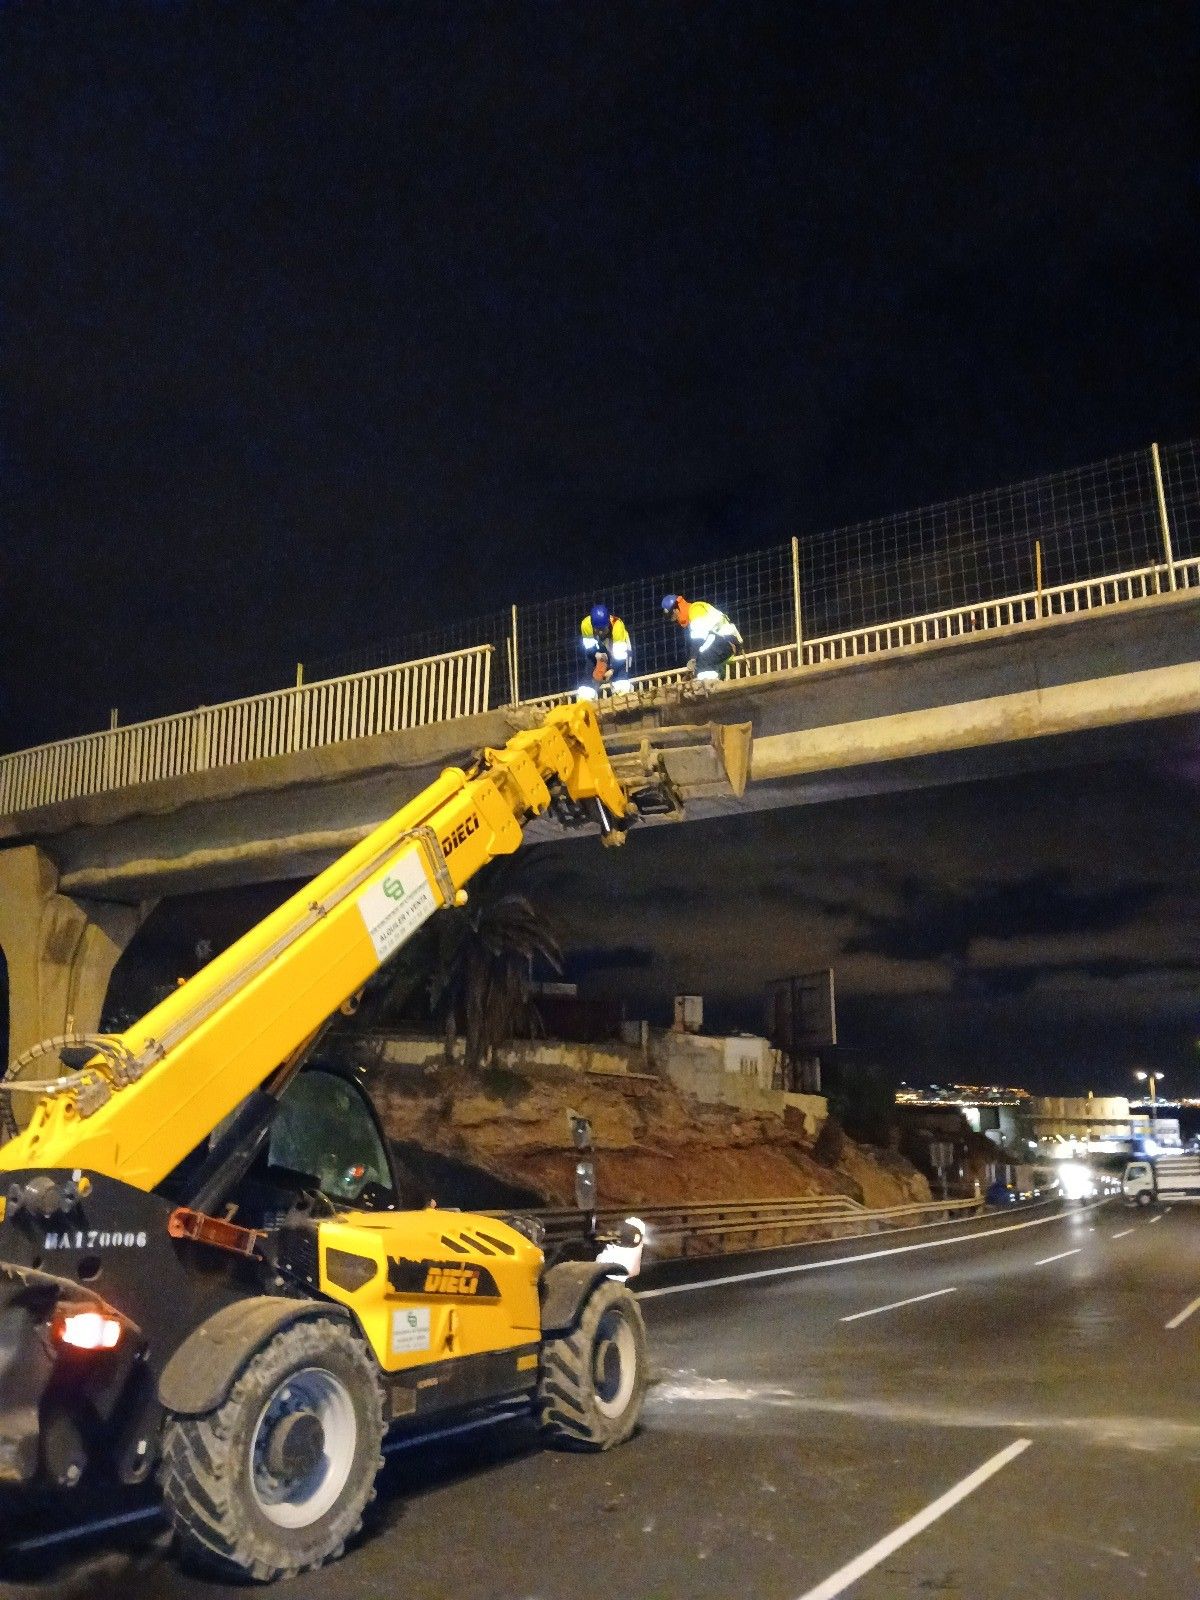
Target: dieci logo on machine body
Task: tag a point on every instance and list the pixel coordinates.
(461, 833)
(441, 1277)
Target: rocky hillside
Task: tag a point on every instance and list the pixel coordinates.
(654, 1145)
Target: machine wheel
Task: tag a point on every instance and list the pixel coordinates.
(1145, 1198)
(276, 1479)
(593, 1379)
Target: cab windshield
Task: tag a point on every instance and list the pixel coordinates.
(324, 1130)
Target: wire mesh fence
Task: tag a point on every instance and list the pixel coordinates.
(755, 590)
(1181, 493)
(1086, 523)
(421, 643)
(1063, 528)
(1123, 529)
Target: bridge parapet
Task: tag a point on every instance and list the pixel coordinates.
(411, 694)
(1052, 549)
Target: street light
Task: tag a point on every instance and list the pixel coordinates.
(1151, 1078)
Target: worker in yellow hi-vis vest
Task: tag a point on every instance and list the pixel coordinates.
(607, 652)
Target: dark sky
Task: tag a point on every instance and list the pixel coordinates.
(325, 322)
(1041, 929)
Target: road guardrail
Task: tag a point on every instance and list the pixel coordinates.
(720, 1226)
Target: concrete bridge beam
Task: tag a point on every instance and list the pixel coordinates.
(60, 950)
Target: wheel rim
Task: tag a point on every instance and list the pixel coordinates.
(614, 1364)
(303, 1448)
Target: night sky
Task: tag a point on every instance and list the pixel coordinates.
(326, 323)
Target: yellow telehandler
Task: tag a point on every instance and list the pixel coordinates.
(206, 1267)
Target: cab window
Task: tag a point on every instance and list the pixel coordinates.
(324, 1131)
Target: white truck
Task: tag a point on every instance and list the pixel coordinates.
(1166, 1177)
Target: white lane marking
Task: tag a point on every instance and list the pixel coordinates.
(848, 1261)
(1124, 1233)
(83, 1530)
(893, 1233)
(1159, 1217)
(1184, 1314)
(896, 1304)
(492, 1420)
(1061, 1256)
(841, 1580)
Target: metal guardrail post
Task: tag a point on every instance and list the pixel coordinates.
(514, 660)
(294, 714)
(796, 600)
(1163, 519)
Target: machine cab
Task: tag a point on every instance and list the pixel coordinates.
(326, 1130)
(324, 1138)
(1137, 1184)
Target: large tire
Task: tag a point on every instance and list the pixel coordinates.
(1145, 1198)
(275, 1480)
(593, 1379)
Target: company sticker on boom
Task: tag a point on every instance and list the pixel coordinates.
(397, 904)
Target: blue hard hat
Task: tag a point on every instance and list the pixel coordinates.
(601, 619)
(669, 602)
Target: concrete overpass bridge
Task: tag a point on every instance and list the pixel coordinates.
(94, 831)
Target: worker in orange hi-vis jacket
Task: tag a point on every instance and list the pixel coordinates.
(712, 637)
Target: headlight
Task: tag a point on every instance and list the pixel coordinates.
(1076, 1182)
(533, 1228)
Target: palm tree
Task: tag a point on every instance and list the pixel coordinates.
(470, 969)
(482, 983)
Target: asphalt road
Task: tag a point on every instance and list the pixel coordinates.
(1025, 1426)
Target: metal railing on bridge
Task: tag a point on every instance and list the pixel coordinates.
(356, 706)
(1063, 600)
(1055, 547)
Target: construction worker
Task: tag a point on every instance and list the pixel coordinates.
(712, 638)
(607, 650)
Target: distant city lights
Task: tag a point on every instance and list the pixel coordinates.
(960, 1094)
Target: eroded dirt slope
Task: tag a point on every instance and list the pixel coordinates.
(654, 1145)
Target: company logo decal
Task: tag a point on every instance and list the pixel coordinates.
(458, 835)
(441, 1277)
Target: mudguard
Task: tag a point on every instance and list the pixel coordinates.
(564, 1290)
(202, 1371)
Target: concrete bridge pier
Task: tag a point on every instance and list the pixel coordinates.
(60, 951)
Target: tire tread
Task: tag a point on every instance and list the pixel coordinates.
(202, 1493)
(565, 1403)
